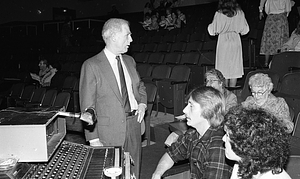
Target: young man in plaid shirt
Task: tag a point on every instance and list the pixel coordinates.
(202, 144)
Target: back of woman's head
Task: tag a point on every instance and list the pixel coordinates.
(228, 7)
(212, 103)
(259, 139)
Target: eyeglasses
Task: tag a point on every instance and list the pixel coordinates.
(210, 81)
(259, 93)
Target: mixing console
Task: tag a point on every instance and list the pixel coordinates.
(77, 161)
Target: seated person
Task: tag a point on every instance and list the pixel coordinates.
(147, 21)
(45, 74)
(154, 23)
(257, 142)
(261, 86)
(181, 16)
(202, 144)
(162, 22)
(215, 79)
(293, 44)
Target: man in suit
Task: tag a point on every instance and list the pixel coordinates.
(102, 96)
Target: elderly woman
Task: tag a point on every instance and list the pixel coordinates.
(215, 79)
(261, 86)
(257, 142)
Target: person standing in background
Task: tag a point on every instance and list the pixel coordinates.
(118, 104)
(228, 23)
(276, 30)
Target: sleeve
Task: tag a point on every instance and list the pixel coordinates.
(289, 45)
(87, 94)
(283, 114)
(179, 149)
(216, 166)
(261, 5)
(231, 100)
(244, 24)
(213, 27)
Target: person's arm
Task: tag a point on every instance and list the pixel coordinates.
(231, 100)
(261, 8)
(283, 114)
(164, 164)
(87, 96)
(215, 27)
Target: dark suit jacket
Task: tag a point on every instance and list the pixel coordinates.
(98, 89)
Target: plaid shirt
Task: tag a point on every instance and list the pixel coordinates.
(206, 153)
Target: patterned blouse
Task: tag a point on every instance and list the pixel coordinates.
(276, 106)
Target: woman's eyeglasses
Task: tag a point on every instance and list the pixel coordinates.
(210, 81)
(259, 93)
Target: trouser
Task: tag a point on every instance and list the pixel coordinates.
(133, 143)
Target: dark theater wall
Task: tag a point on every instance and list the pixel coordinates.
(41, 10)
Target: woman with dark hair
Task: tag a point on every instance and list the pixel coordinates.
(293, 44)
(228, 23)
(256, 141)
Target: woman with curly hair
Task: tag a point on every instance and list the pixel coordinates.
(229, 23)
(256, 141)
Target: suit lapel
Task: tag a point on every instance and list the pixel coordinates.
(109, 75)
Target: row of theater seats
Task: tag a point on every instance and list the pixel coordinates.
(32, 95)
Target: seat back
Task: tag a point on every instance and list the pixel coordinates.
(69, 83)
(49, 97)
(180, 73)
(178, 47)
(62, 100)
(144, 69)
(141, 57)
(163, 47)
(27, 93)
(296, 131)
(150, 47)
(190, 58)
(293, 166)
(281, 62)
(172, 58)
(156, 58)
(76, 97)
(16, 90)
(194, 46)
(161, 71)
(38, 95)
(151, 90)
(290, 84)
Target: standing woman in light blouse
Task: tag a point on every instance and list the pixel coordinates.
(276, 30)
(229, 23)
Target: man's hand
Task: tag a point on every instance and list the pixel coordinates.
(95, 143)
(261, 15)
(141, 112)
(87, 117)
